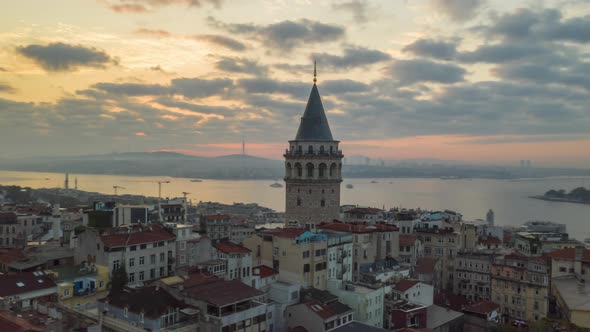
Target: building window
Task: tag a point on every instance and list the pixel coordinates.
(152, 273)
(323, 203)
(153, 259)
(116, 265)
(131, 262)
(141, 260)
(141, 317)
(101, 284)
(67, 292)
(182, 245)
(141, 276)
(131, 277)
(125, 312)
(162, 257)
(298, 201)
(132, 248)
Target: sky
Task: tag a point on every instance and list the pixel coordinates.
(484, 81)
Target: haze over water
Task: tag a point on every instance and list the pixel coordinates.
(472, 198)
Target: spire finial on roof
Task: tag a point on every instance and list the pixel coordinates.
(315, 73)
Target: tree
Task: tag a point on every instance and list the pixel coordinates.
(119, 279)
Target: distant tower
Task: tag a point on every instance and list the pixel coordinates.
(67, 181)
(76, 183)
(243, 146)
(490, 217)
(313, 167)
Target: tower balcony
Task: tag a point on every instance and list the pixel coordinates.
(312, 155)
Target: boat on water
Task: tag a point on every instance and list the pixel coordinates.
(196, 180)
(276, 185)
(349, 186)
(374, 181)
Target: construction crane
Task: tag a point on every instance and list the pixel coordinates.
(117, 187)
(184, 193)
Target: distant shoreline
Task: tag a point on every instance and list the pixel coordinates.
(557, 199)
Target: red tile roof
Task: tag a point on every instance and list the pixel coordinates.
(407, 240)
(359, 228)
(11, 255)
(405, 284)
(9, 322)
(7, 218)
(489, 240)
(149, 234)
(223, 292)
(229, 247)
(482, 307)
(569, 253)
(199, 278)
(290, 233)
(426, 265)
(25, 282)
(320, 309)
(264, 271)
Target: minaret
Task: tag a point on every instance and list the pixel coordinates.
(243, 146)
(76, 183)
(313, 167)
(67, 181)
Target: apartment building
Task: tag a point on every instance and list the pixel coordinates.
(410, 249)
(216, 226)
(371, 243)
(339, 255)
(365, 299)
(184, 234)
(520, 285)
(444, 244)
(238, 261)
(300, 256)
(472, 275)
(146, 252)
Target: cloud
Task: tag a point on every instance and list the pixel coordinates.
(409, 72)
(6, 88)
(351, 57)
(547, 24)
(223, 41)
(153, 32)
(65, 57)
(458, 10)
(430, 48)
(337, 87)
(285, 35)
(132, 89)
(357, 8)
(575, 76)
(241, 65)
(504, 52)
(297, 90)
(199, 88)
(148, 6)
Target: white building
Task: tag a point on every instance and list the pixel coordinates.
(366, 300)
(239, 261)
(414, 291)
(339, 255)
(184, 234)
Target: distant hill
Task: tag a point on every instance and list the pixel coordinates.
(250, 167)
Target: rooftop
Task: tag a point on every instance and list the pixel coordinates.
(438, 316)
(14, 284)
(326, 311)
(357, 327)
(217, 217)
(322, 296)
(147, 234)
(358, 227)
(570, 254)
(222, 293)
(264, 271)
(229, 247)
(39, 255)
(290, 233)
(8, 218)
(361, 210)
(482, 307)
(407, 240)
(152, 301)
(575, 295)
(405, 284)
(489, 240)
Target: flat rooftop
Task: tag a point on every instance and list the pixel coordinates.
(438, 316)
(574, 296)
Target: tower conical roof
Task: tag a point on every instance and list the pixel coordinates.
(314, 124)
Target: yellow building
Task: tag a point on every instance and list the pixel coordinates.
(520, 285)
(79, 285)
(299, 256)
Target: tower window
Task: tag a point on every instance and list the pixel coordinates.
(323, 203)
(309, 170)
(332, 191)
(310, 191)
(298, 201)
(331, 150)
(310, 149)
(322, 149)
(323, 191)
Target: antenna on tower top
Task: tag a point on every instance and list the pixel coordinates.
(315, 73)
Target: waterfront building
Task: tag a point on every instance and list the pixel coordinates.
(538, 243)
(313, 165)
(520, 285)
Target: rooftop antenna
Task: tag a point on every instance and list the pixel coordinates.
(243, 146)
(315, 73)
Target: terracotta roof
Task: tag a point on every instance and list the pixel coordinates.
(290, 233)
(11, 255)
(359, 228)
(14, 284)
(407, 240)
(199, 278)
(264, 271)
(150, 234)
(569, 253)
(482, 307)
(326, 311)
(405, 284)
(425, 265)
(489, 240)
(224, 292)
(229, 247)
(152, 301)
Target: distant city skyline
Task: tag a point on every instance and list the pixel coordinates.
(474, 81)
